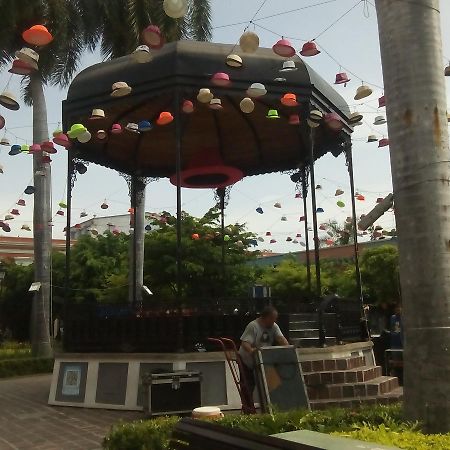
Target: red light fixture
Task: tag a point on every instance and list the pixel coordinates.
(284, 48)
(309, 49)
(341, 78)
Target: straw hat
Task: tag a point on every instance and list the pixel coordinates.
(372, 138)
(315, 115)
(215, 103)
(26, 228)
(97, 114)
(288, 66)
(204, 95)
(84, 137)
(29, 56)
(311, 123)
(2, 122)
(355, 118)
(101, 134)
(4, 141)
(256, 90)
(8, 100)
(175, 8)
(249, 42)
(247, 106)
(20, 67)
(142, 54)
(363, 91)
(120, 89)
(379, 120)
(338, 192)
(233, 60)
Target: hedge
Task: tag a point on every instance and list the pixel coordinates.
(382, 424)
(25, 366)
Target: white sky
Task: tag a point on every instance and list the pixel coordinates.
(353, 41)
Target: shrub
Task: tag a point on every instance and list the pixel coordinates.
(25, 366)
(155, 434)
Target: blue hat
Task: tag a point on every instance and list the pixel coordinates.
(144, 125)
(29, 190)
(15, 150)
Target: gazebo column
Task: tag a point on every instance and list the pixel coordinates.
(137, 230)
(71, 177)
(365, 333)
(304, 176)
(318, 291)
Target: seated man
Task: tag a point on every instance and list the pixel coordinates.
(261, 332)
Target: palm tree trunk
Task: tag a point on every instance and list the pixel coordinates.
(411, 52)
(42, 231)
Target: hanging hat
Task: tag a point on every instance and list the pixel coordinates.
(283, 218)
(15, 150)
(247, 106)
(133, 127)
(8, 100)
(355, 118)
(302, 219)
(379, 120)
(338, 192)
(447, 70)
(29, 56)
(84, 137)
(295, 241)
(294, 119)
(372, 138)
(60, 212)
(25, 227)
(97, 114)
(116, 128)
(288, 66)
(206, 169)
(260, 239)
(256, 90)
(104, 205)
(360, 197)
(188, 107)
(10, 216)
(379, 200)
(40, 173)
(215, 103)
(120, 89)
(382, 101)
(83, 214)
(273, 241)
(101, 135)
(29, 190)
(315, 115)
(298, 195)
(362, 92)
(226, 238)
(25, 148)
(249, 42)
(383, 142)
(309, 49)
(272, 114)
(165, 117)
(277, 205)
(284, 48)
(152, 37)
(20, 67)
(35, 148)
(46, 159)
(81, 168)
(195, 236)
(1, 169)
(6, 228)
(233, 60)
(37, 35)
(62, 139)
(288, 239)
(175, 8)
(21, 202)
(57, 132)
(320, 210)
(221, 79)
(76, 130)
(340, 203)
(259, 210)
(322, 227)
(4, 141)
(279, 79)
(142, 54)
(289, 99)
(47, 146)
(2, 122)
(341, 78)
(144, 125)
(204, 95)
(333, 121)
(93, 231)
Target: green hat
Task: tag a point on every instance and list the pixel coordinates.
(273, 114)
(76, 130)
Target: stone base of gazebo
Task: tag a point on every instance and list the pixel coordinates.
(340, 375)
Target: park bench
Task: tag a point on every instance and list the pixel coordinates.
(191, 434)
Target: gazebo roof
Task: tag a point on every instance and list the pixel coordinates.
(251, 143)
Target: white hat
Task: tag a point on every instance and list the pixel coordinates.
(289, 66)
(215, 103)
(256, 90)
(175, 8)
(29, 56)
(97, 114)
(8, 100)
(233, 60)
(133, 127)
(142, 54)
(372, 138)
(204, 95)
(84, 137)
(379, 120)
(120, 89)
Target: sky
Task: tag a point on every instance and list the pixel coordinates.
(350, 45)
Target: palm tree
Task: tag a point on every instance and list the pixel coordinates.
(411, 53)
(76, 25)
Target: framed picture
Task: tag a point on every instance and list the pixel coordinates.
(71, 380)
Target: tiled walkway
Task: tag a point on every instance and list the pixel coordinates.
(27, 422)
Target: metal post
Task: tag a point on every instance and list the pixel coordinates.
(365, 333)
(322, 337)
(221, 195)
(305, 209)
(178, 178)
(134, 207)
(70, 181)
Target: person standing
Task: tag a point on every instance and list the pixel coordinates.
(261, 332)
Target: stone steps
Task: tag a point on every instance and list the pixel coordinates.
(320, 365)
(361, 374)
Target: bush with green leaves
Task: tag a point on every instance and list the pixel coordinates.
(381, 424)
(25, 366)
